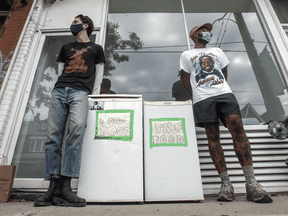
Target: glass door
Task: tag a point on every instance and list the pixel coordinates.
(29, 155)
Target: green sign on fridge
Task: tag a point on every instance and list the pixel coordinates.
(167, 132)
(114, 125)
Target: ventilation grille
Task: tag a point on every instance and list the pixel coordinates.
(268, 156)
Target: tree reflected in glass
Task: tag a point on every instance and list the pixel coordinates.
(115, 42)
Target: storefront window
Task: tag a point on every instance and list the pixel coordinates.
(252, 73)
(29, 156)
(151, 68)
(149, 64)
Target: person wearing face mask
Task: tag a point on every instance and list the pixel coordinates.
(79, 74)
(204, 69)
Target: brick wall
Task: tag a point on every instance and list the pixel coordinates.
(10, 34)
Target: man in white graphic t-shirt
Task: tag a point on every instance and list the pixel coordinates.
(205, 71)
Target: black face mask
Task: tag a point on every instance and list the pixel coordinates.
(75, 29)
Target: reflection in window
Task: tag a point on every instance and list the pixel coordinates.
(44, 126)
(252, 74)
(33, 133)
(37, 145)
(151, 69)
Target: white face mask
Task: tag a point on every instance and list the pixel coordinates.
(206, 36)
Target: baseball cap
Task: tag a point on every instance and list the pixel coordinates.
(195, 28)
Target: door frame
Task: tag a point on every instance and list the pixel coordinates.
(36, 183)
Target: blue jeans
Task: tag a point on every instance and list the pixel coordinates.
(65, 101)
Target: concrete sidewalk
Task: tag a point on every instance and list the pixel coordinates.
(209, 207)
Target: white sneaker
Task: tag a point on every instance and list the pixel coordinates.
(257, 194)
(226, 193)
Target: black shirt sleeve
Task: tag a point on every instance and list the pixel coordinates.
(61, 56)
(100, 58)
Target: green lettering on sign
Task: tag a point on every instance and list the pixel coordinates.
(168, 132)
(114, 125)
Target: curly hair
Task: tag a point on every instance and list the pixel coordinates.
(87, 20)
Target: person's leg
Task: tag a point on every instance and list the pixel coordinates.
(215, 148)
(243, 152)
(53, 152)
(58, 112)
(241, 145)
(226, 191)
(78, 110)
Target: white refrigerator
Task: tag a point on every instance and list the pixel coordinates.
(112, 155)
(172, 170)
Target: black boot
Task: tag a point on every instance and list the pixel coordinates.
(46, 199)
(66, 196)
(57, 199)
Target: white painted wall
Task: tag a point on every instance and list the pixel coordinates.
(61, 13)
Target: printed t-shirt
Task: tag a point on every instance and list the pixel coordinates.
(204, 65)
(79, 65)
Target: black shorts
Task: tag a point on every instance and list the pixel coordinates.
(214, 108)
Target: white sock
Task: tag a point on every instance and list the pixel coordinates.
(225, 178)
(249, 174)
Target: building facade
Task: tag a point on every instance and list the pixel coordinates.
(143, 41)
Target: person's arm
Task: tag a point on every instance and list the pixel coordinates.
(98, 78)
(225, 72)
(60, 68)
(185, 77)
(175, 91)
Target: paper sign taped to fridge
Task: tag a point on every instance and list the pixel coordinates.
(114, 125)
(167, 132)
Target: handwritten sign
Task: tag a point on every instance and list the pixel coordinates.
(114, 125)
(167, 132)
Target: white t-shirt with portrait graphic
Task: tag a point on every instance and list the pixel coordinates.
(204, 65)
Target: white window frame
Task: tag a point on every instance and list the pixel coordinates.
(285, 27)
(276, 34)
(39, 183)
